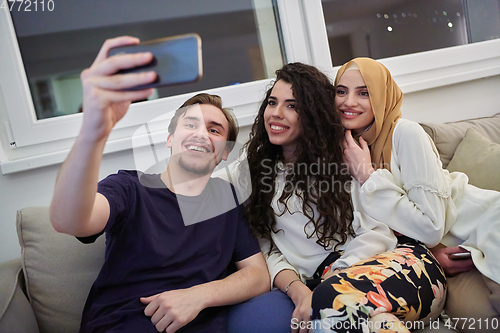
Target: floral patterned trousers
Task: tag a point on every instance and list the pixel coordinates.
(406, 284)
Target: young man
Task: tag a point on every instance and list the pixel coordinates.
(169, 253)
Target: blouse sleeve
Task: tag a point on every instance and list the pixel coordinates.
(412, 199)
(371, 236)
(276, 261)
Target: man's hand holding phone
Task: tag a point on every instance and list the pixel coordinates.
(105, 100)
(176, 60)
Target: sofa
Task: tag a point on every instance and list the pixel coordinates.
(45, 289)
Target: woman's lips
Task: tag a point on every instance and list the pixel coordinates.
(351, 114)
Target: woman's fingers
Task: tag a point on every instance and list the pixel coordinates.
(349, 140)
(363, 143)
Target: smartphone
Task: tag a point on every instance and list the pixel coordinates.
(460, 255)
(176, 60)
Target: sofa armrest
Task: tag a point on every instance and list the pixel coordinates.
(16, 315)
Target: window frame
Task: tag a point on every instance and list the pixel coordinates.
(37, 143)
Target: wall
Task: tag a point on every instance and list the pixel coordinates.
(471, 99)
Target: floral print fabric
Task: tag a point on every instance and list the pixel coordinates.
(406, 282)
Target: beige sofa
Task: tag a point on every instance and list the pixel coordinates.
(45, 290)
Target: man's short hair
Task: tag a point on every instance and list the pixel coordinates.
(215, 100)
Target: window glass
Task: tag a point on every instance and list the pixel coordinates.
(387, 28)
(57, 43)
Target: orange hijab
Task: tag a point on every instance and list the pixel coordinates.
(386, 99)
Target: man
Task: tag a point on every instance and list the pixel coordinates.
(167, 268)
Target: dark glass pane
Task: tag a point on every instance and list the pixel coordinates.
(387, 28)
(57, 45)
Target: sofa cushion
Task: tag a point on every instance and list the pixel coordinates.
(447, 136)
(58, 269)
(16, 314)
(478, 158)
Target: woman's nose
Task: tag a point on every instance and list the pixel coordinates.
(277, 112)
(351, 99)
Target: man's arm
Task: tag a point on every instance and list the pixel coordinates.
(76, 208)
(172, 310)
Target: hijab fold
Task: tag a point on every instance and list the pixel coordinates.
(386, 98)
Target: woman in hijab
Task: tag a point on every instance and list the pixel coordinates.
(402, 182)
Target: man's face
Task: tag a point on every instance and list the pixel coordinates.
(199, 141)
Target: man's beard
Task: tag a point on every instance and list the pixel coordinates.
(202, 170)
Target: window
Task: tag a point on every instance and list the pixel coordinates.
(239, 44)
(276, 31)
(389, 28)
(244, 42)
(55, 48)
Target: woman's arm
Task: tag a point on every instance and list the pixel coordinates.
(276, 261)
(289, 283)
(414, 197)
(372, 237)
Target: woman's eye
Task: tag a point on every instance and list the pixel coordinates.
(190, 125)
(291, 106)
(213, 130)
(365, 94)
(271, 102)
(340, 92)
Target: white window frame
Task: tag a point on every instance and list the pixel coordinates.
(45, 142)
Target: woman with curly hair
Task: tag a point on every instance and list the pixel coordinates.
(301, 208)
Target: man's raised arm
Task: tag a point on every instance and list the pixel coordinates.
(76, 208)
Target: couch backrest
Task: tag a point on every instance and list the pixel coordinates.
(58, 270)
(447, 136)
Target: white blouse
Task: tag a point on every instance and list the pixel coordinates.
(420, 199)
(295, 251)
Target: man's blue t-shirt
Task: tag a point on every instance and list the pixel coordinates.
(158, 241)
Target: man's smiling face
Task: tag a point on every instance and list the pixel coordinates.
(199, 141)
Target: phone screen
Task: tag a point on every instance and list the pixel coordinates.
(176, 60)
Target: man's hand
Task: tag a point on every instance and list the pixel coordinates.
(452, 267)
(104, 102)
(173, 309)
(357, 158)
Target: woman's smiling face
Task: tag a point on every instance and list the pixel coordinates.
(281, 119)
(352, 101)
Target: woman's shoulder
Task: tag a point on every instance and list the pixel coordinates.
(408, 131)
(410, 138)
(404, 125)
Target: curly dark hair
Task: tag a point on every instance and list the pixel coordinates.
(321, 142)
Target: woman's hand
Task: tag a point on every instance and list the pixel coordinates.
(301, 296)
(289, 283)
(452, 266)
(357, 158)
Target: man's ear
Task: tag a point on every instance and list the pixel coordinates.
(169, 141)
